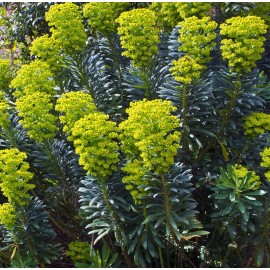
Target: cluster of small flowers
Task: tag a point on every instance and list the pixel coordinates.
(68, 35)
(168, 16)
(196, 39)
(14, 176)
(139, 35)
(257, 123)
(101, 16)
(34, 90)
(37, 119)
(189, 9)
(241, 172)
(244, 43)
(171, 13)
(33, 78)
(47, 49)
(186, 70)
(265, 154)
(4, 115)
(148, 139)
(95, 142)
(78, 251)
(7, 215)
(135, 178)
(66, 22)
(5, 74)
(73, 106)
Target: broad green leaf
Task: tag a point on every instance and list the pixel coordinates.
(260, 257)
(241, 206)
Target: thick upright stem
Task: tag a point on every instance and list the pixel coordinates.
(119, 237)
(184, 117)
(230, 107)
(146, 84)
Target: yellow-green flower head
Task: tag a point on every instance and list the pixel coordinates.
(78, 251)
(139, 35)
(244, 42)
(48, 50)
(14, 176)
(6, 74)
(135, 171)
(67, 28)
(73, 106)
(265, 154)
(32, 78)
(256, 124)
(7, 215)
(101, 16)
(37, 118)
(4, 115)
(189, 9)
(168, 15)
(241, 172)
(186, 70)
(149, 133)
(197, 38)
(149, 141)
(95, 142)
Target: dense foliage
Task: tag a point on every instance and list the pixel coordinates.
(134, 135)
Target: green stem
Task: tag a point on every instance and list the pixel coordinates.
(230, 106)
(51, 156)
(115, 219)
(184, 116)
(160, 257)
(146, 84)
(9, 132)
(116, 58)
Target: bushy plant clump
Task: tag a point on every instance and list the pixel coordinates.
(135, 135)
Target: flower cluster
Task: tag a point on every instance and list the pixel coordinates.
(135, 177)
(139, 35)
(78, 251)
(148, 139)
(265, 154)
(67, 28)
(37, 118)
(33, 78)
(4, 115)
(186, 70)
(48, 50)
(74, 106)
(196, 39)
(5, 74)
(244, 43)
(189, 9)
(95, 142)
(7, 215)
(14, 176)
(257, 123)
(241, 172)
(168, 16)
(101, 16)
